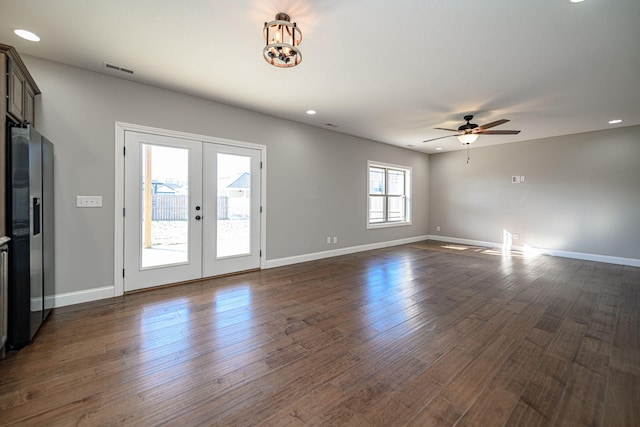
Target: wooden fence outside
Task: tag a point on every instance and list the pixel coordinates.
(173, 207)
(223, 207)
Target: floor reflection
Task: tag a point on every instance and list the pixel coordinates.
(387, 285)
(232, 305)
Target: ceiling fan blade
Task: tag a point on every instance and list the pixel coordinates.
(499, 132)
(433, 139)
(450, 130)
(492, 124)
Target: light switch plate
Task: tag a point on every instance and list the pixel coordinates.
(89, 201)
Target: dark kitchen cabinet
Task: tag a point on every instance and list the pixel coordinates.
(20, 91)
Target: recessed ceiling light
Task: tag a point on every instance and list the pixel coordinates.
(311, 112)
(27, 35)
(439, 148)
(576, 1)
(615, 121)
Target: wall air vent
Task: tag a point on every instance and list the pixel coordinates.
(117, 68)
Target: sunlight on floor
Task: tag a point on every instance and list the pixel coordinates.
(506, 250)
(456, 247)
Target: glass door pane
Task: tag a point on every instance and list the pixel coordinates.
(233, 236)
(164, 205)
(231, 241)
(163, 210)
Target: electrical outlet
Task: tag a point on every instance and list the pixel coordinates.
(521, 178)
(328, 240)
(335, 240)
(515, 236)
(89, 201)
(438, 228)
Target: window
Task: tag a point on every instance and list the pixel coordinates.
(389, 195)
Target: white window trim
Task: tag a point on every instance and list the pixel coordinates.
(408, 169)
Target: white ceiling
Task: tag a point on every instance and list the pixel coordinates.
(389, 71)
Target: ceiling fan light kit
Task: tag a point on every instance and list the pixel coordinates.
(468, 138)
(468, 133)
(282, 39)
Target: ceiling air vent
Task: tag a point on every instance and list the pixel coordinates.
(118, 68)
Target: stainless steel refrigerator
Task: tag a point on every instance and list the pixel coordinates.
(30, 226)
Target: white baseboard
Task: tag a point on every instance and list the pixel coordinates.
(88, 295)
(553, 252)
(279, 262)
(465, 241)
(593, 257)
(78, 297)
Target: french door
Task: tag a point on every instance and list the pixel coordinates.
(192, 209)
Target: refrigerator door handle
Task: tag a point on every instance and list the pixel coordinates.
(37, 209)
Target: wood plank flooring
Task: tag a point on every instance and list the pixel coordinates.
(422, 334)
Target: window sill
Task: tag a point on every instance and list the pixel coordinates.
(387, 224)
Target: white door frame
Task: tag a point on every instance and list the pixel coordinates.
(118, 239)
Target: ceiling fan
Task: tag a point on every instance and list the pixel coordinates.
(469, 132)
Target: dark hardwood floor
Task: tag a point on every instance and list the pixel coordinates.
(420, 334)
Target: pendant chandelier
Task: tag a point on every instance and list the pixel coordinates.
(282, 38)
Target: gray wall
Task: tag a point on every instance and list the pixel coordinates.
(316, 178)
(581, 193)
